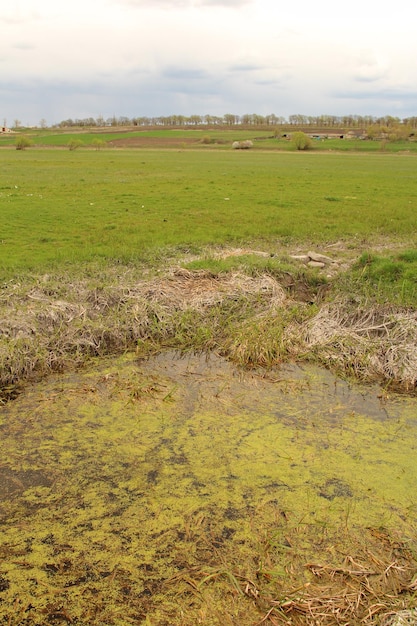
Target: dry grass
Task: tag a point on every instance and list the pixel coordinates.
(55, 323)
(369, 578)
(373, 344)
(375, 586)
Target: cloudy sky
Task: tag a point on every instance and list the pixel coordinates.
(88, 58)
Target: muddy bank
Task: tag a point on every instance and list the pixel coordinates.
(54, 323)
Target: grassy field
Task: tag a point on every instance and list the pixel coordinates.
(272, 139)
(197, 137)
(75, 224)
(61, 206)
(151, 252)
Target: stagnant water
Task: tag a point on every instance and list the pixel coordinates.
(114, 479)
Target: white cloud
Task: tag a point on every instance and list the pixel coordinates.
(156, 57)
(175, 4)
(16, 16)
(368, 67)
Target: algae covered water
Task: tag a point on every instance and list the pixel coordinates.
(181, 490)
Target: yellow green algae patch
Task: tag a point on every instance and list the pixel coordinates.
(184, 491)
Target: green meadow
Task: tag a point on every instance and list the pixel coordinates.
(61, 206)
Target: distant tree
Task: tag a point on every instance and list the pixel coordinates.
(271, 119)
(42, 123)
(373, 131)
(391, 121)
(98, 143)
(302, 141)
(73, 144)
(412, 121)
(143, 121)
(230, 119)
(400, 132)
(405, 130)
(17, 124)
(195, 120)
(298, 120)
(23, 142)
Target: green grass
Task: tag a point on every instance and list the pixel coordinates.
(208, 138)
(56, 138)
(61, 207)
(384, 279)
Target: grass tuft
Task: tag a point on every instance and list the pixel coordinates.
(381, 279)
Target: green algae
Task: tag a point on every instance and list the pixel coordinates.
(158, 492)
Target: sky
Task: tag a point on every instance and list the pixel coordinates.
(103, 58)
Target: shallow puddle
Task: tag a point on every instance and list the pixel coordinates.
(126, 488)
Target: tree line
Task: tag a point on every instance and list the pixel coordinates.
(249, 119)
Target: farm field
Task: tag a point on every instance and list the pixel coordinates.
(211, 138)
(208, 375)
